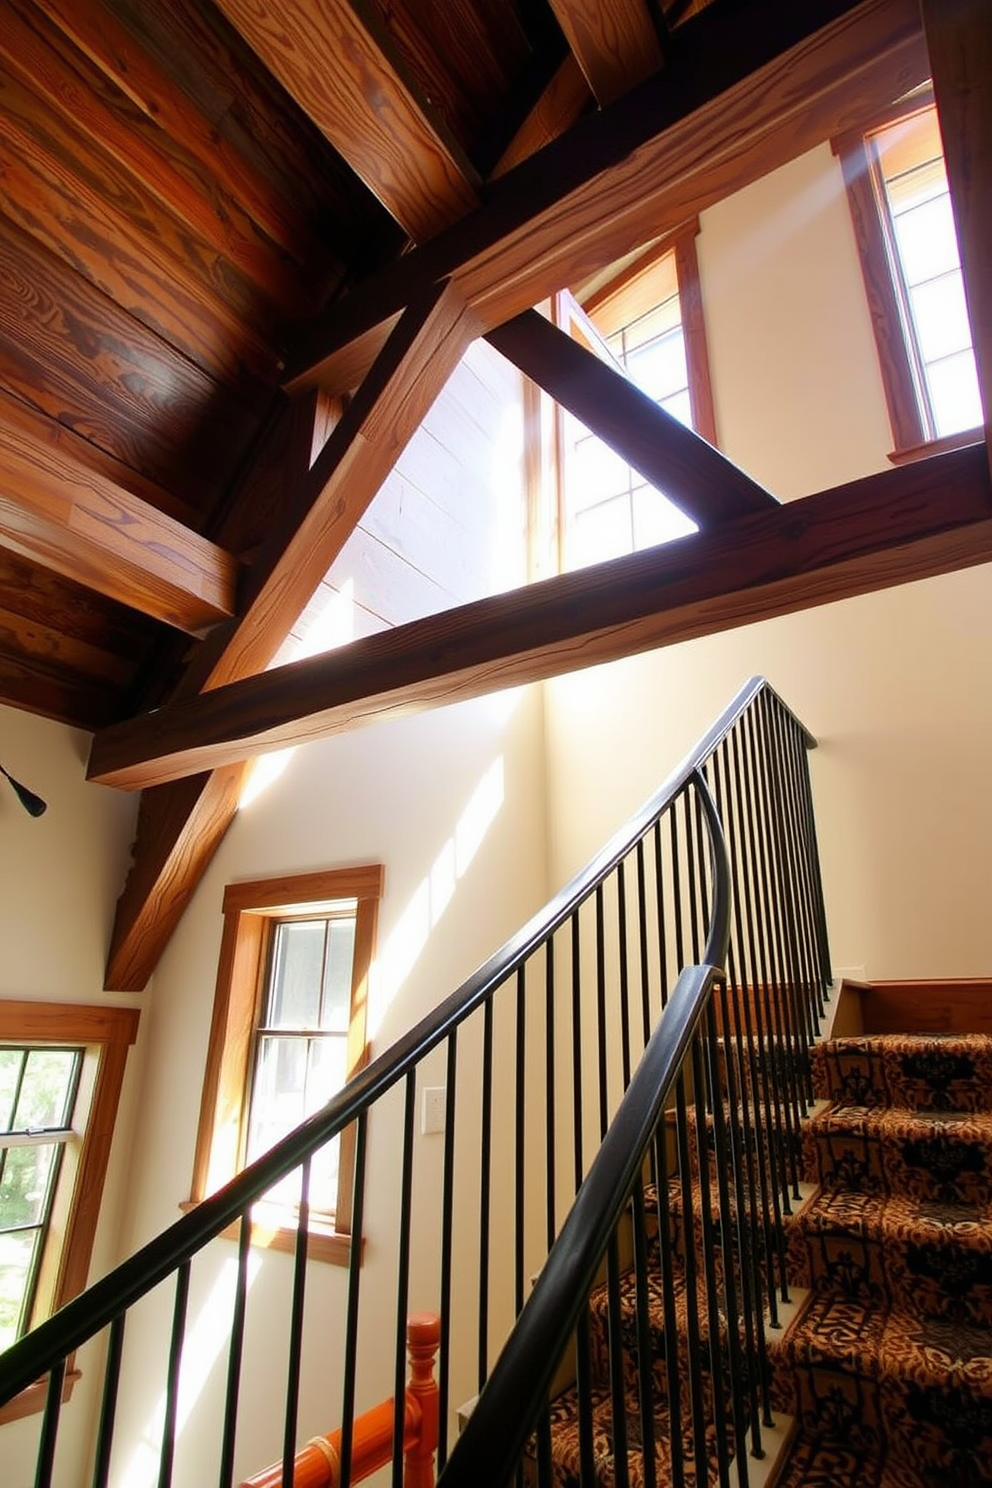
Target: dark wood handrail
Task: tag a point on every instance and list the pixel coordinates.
(318, 1463)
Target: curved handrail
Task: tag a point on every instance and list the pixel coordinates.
(53, 1340)
(498, 1426)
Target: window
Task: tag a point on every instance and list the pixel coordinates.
(904, 225)
(61, 1072)
(288, 1031)
(646, 319)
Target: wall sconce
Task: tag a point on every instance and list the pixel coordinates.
(32, 804)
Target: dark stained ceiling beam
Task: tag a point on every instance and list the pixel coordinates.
(698, 478)
(563, 100)
(959, 37)
(613, 41)
(908, 523)
(336, 60)
(748, 90)
(81, 523)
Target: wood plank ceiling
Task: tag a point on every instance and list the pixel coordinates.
(216, 217)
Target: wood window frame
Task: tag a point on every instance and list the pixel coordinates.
(911, 438)
(105, 1035)
(250, 912)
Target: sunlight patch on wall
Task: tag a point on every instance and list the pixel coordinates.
(331, 626)
(435, 892)
(203, 1345)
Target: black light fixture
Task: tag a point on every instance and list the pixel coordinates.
(32, 804)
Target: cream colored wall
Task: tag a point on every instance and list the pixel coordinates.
(894, 685)
(60, 875)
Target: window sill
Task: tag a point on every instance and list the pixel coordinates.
(34, 1398)
(324, 1243)
(911, 452)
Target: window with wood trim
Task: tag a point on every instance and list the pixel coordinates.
(646, 318)
(904, 226)
(289, 1029)
(61, 1071)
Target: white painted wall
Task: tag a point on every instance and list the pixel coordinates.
(894, 685)
(60, 875)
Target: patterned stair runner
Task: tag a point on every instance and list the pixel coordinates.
(888, 1368)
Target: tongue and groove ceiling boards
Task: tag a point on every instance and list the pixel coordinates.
(219, 221)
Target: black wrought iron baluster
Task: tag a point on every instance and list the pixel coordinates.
(447, 1242)
(351, 1311)
(752, 1100)
(485, 1178)
(642, 940)
(659, 877)
(694, 1344)
(707, 1247)
(520, 1138)
(755, 978)
(545, 1473)
(604, 1108)
(773, 1031)
(172, 1377)
(696, 912)
(624, 980)
(550, 1086)
(50, 1425)
(618, 1412)
(403, 1272)
(108, 1406)
(234, 1356)
(673, 1374)
(577, 1104)
(789, 1035)
(813, 859)
(294, 1368)
(583, 1387)
(731, 1248)
(645, 1377)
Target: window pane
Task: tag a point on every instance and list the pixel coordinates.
(659, 368)
(957, 403)
(47, 1089)
(326, 1073)
(10, 1069)
(601, 532)
(297, 968)
(658, 520)
(680, 407)
(27, 1174)
(595, 473)
(337, 977)
(941, 317)
(17, 1264)
(926, 240)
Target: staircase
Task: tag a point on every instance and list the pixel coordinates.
(888, 1368)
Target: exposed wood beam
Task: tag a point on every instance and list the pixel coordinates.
(318, 518)
(180, 828)
(81, 523)
(336, 61)
(749, 89)
(614, 42)
(557, 109)
(907, 523)
(697, 477)
(959, 36)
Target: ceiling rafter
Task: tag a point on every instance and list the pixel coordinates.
(340, 67)
(613, 41)
(907, 523)
(697, 477)
(628, 174)
(72, 518)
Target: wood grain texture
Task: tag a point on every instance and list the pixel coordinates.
(614, 42)
(563, 100)
(354, 91)
(79, 523)
(741, 103)
(319, 516)
(908, 523)
(697, 477)
(955, 1005)
(179, 830)
(959, 37)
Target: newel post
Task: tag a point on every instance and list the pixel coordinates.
(423, 1338)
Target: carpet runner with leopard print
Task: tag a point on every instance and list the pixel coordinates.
(888, 1368)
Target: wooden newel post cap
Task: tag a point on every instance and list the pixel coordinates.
(423, 1330)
